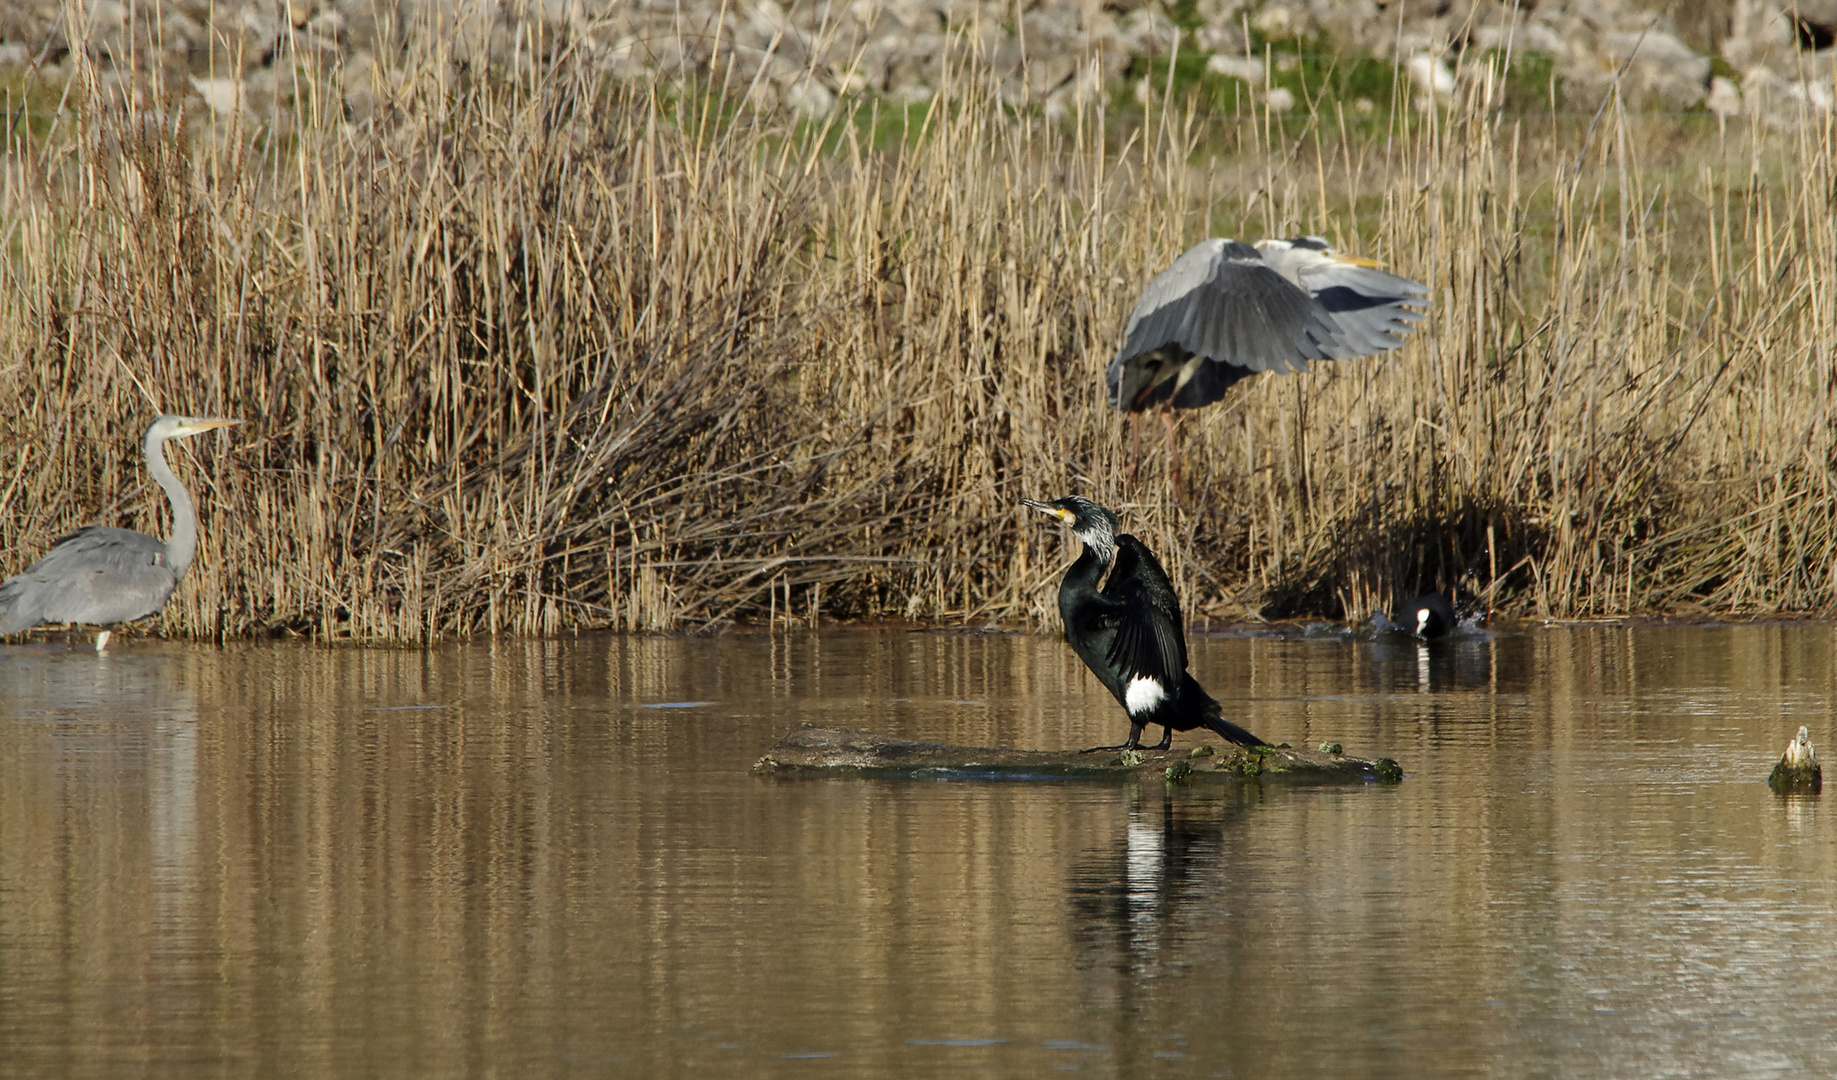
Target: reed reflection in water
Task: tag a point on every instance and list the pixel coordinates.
(547, 858)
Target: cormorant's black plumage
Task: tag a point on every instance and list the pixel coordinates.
(1129, 632)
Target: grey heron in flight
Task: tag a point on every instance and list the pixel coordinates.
(1226, 310)
(102, 575)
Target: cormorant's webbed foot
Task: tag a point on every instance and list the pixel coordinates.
(1167, 740)
(1118, 746)
(1133, 742)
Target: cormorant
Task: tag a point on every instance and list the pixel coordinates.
(1428, 616)
(1129, 632)
(1226, 310)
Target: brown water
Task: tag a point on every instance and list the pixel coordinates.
(547, 858)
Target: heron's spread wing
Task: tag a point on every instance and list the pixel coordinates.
(97, 575)
(1367, 304)
(1221, 301)
(1150, 640)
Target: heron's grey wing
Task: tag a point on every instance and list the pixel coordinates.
(1150, 640)
(1223, 302)
(1368, 305)
(1370, 280)
(98, 575)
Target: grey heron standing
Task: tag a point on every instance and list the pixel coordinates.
(1226, 310)
(103, 575)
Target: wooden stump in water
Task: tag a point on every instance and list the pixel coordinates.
(1798, 772)
(815, 751)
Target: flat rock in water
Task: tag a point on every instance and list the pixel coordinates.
(815, 751)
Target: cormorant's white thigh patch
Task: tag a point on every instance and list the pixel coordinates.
(1142, 694)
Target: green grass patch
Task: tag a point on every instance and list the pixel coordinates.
(31, 103)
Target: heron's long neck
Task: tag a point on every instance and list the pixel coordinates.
(183, 543)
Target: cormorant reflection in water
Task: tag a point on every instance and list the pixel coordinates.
(1129, 901)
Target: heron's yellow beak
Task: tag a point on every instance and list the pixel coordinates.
(1354, 260)
(200, 424)
(1050, 511)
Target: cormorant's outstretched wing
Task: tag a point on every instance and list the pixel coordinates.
(1150, 641)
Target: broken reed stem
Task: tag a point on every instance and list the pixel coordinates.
(547, 351)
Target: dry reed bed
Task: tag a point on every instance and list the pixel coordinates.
(544, 352)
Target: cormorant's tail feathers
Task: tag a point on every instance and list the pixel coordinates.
(1215, 721)
(1230, 732)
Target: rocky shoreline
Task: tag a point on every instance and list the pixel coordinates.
(1756, 57)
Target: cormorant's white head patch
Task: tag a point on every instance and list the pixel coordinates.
(1092, 524)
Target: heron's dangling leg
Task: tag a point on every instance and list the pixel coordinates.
(1173, 451)
(1135, 443)
(102, 641)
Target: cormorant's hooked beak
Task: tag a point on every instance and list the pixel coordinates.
(1050, 510)
(1354, 260)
